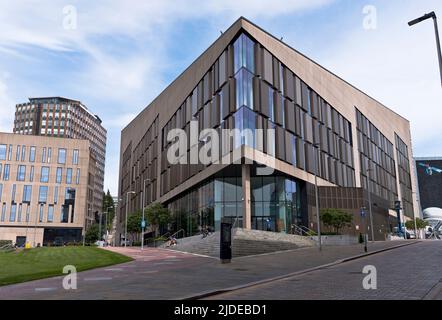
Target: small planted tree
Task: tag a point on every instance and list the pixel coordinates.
(134, 224)
(157, 215)
(92, 234)
(335, 218)
(420, 224)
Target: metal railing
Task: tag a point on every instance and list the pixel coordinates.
(7, 248)
(178, 232)
(302, 231)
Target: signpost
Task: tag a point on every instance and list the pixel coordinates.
(363, 215)
(226, 242)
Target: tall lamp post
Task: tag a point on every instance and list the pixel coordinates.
(426, 17)
(127, 209)
(318, 219)
(369, 169)
(143, 222)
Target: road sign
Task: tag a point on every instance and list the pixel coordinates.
(363, 213)
(143, 224)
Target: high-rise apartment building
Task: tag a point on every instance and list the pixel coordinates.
(65, 118)
(248, 80)
(46, 189)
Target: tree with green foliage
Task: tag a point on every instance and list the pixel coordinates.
(157, 215)
(92, 234)
(336, 218)
(134, 224)
(109, 207)
(420, 224)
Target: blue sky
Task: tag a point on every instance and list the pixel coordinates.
(124, 53)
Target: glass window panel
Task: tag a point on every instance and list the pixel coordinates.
(44, 177)
(2, 151)
(244, 89)
(43, 194)
(69, 176)
(61, 156)
(32, 151)
(13, 212)
(50, 213)
(6, 172)
(244, 54)
(21, 173)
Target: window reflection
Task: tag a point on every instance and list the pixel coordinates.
(244, 53)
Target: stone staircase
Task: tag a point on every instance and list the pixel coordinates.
(244, 243)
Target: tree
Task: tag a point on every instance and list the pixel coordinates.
(108, 206)
(134, 223)
(420, 224)
(92, 234)
(335, 218)
(157, 215)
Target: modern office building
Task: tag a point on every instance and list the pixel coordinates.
(46, 188)
(65, 118)
(313, 122)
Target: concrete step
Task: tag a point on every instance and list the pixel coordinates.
(244, 243)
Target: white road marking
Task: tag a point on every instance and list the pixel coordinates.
(44, 289)
(114, 269)
(98, 279)
(147, 272)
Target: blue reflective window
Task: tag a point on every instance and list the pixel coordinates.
(21, 173)
(244, 53)
(3, 212)
(2, 151)
(50, 213)
(32, 154)
(44, 177)
(244, 89)
(59, 174)
(6, 172)
(69, 176)
(61, 156)
(43, 194)
(13, 213)
(27, 193)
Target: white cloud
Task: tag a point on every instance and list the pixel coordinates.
(6, 101)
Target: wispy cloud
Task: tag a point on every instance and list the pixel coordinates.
(397, 65)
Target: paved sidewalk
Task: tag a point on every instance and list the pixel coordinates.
(406, 273)
(166, 274)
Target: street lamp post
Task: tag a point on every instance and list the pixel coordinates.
(143, 208)
(127, 209)
(369, 201)
(426, 17)
(318, 219)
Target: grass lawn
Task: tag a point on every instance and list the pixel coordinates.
(45, 262)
